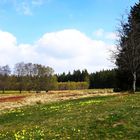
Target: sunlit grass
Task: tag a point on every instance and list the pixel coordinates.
(108, 117)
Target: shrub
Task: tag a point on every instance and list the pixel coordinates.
(72, 85)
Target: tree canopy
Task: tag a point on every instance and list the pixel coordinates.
(128, 51)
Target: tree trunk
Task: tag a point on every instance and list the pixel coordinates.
(3, 90)
(20, 90)
(134, 82)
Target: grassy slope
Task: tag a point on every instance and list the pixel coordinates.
(116, 117)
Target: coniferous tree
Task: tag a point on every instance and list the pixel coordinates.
(128, 52)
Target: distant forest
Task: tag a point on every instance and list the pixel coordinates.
(36, 77)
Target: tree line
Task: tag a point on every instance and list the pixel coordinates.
(36, 77)
(101, 79)
(27, 76)
(76, 76)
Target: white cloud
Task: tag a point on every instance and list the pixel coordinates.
(111, 36)
(63, 50)
(8, 48)
(23, 7)
(100, 33)
(37, 2)
(26, 9)
(7, 39)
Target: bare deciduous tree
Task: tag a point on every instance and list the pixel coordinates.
(128, 51)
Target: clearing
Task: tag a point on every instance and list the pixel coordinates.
(70, 115)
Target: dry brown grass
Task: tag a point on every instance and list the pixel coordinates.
(51, 96)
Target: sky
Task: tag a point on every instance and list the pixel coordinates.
(62, 34)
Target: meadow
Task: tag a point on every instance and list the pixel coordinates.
(87, 118)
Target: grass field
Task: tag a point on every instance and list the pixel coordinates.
(91, 118)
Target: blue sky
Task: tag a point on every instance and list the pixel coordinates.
(27, 21)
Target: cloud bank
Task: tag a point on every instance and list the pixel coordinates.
(64, 50)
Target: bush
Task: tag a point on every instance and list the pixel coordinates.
(72, 85)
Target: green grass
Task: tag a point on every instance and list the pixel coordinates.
(103, 118)
(12, 92)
